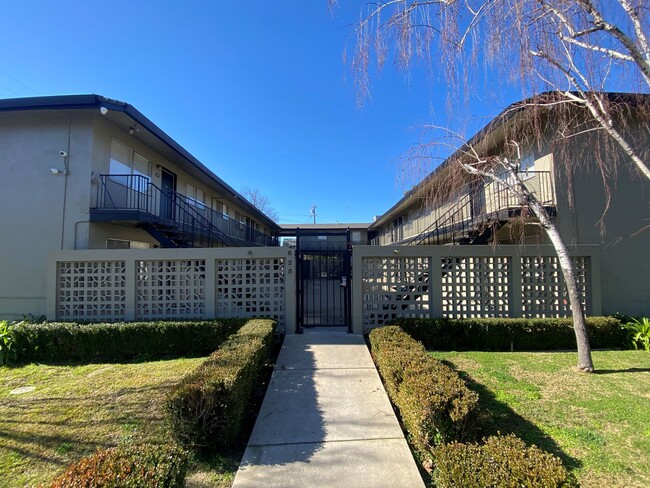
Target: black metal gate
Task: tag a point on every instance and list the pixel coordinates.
(323, 286)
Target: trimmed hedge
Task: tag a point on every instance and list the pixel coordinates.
(503, 461)
(208, 407)
(143, 466)
(500, 334)
(433, 401)
(97, 342)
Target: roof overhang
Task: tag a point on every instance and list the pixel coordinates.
(288, 230)
(125, 116)
(490, 136)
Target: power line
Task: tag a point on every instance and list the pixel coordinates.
(7, 75)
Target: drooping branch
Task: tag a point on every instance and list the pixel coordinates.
(598, 111)
(517, 187)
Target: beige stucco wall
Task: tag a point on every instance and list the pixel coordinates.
(100, 232)
(43, 212)
(175, 283)
(105, 132)
(40, 210)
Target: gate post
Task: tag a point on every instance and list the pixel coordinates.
(357, 289)
(290, 305)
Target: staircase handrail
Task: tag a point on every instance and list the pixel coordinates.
(153, 196)
(442, 223)
(181, 203)
(443, 220)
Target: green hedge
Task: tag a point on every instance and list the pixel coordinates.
(503, 334)
(143, 466)
(433, 401)
(503, 461)
(95, 342)
(208, 407)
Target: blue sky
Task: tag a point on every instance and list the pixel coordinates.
(258, 91)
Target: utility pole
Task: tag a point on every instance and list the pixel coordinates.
(313, 212)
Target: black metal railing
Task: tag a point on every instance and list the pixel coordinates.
(193, 223)
(482, 205)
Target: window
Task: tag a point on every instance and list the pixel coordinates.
(126, 244)
(397, 233)
(220, 208)
(195, 196)
(527, 163)
(129, 168)
(239, 218)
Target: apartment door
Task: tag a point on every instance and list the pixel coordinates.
(323, 281)
(168, 193)
(249, 231)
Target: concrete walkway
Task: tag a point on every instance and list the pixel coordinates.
(326, 421)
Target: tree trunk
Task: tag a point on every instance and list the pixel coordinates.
(566, 264)
(519, 190)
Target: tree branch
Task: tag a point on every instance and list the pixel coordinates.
(637, 54)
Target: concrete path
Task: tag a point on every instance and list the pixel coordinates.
(326, 421)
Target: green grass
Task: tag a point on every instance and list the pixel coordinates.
(599, 424)
(76, 409)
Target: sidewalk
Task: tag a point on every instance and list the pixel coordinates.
(326, 421)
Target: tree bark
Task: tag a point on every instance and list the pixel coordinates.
(520, 190)
(585, 362)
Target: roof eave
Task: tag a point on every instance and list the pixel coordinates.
(93, 101)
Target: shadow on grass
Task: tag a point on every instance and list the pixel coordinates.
(133, 359)
(46, 433)
(628, 370)
(29, 445)
(495, 417)
(40, 435)
(213, 469)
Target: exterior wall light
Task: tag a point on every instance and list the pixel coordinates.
(103, 110)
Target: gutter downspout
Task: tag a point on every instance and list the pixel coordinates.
(66, 171)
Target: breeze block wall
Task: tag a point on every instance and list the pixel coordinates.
(154, 284)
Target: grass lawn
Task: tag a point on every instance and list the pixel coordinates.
(76, 409)
(599, 424)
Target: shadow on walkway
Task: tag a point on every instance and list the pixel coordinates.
(326, 421)
(290, 414)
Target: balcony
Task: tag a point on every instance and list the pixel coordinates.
(173, 219)
(478, 212)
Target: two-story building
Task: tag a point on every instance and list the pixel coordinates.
(609, 208)
(88, 172)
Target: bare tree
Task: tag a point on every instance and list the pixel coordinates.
(505, 171)
(486, 159)
(260, 201)
(575, 48)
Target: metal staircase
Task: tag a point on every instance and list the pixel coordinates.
(482, 210)
(174, 220)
